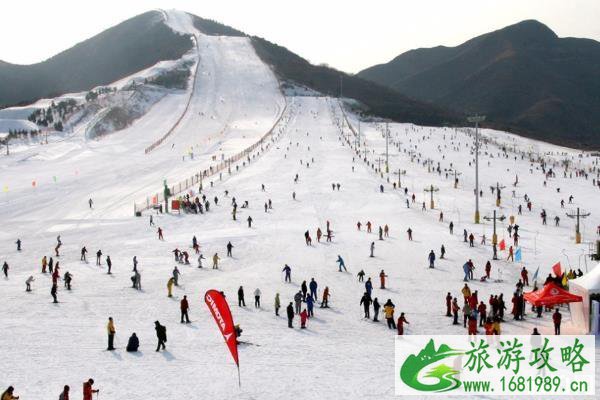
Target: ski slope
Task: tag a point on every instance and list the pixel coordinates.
(236, 100)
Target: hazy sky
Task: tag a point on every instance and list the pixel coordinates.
(349, 35)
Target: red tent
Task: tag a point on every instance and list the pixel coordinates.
(550, 295)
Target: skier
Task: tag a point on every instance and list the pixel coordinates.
(200, 258)
(88, 389)
(409, 231)
(170, 284)
(249, 222)
(110, 329)
(184, 307)
(277, 304)
(388, 310)
(313, 288)
(380, 233)
(365, 301)
(304, 289)
(488, 269)
(510, 254)
(18, 243)
(369, 286)
(241, 301)
(83, 254)
(229, 247)
(386, 231)
(91, 203)
(401, 321)
(135, 263)
(257, 298)
(160, 233)
(216, 261)
(176, 274)
(376, 307)
(556, 319)
(382, 277)
(161, 335)
(319, 235)
(525, 276)
(325, 301)
(98, 255)
(303, 319)
(5, 269)
(442, 252)
(358, 225)
(297, 302)
(372, 249)
(28, 283)
(341, 264)
(451, 227)
(151, 221)
(310, 305)
(448, 305)
(53, 291)
(288, 273)
(290, 314)
(455, 310)
(431, 258)
(369, 226)
(467, 271)
(361, 275)
(136, 279)
(133, 343)
(68, 278)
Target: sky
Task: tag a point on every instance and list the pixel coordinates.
(349, 35)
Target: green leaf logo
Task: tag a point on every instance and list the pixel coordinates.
(414, 364)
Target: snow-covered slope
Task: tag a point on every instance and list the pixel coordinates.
(236, 100)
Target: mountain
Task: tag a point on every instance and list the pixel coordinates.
(379, 100)
(144, 40)
(524, 78)
(126, 48)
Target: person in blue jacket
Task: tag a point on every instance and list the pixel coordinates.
(313, 288)
(309, 305)
(431, 259)
(466, 270)
(341, 263)
(288, 273)
(369, 286)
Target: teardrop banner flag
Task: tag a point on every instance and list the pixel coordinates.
(222, 314)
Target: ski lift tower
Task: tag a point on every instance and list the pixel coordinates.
(476, 119)
(431, 189)
(498, 193)
(495, 218)
(577, 215)
(400, 173)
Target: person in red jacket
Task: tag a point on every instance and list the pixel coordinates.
(88, 390)
(64, 395)
(482, 310)
(401, 321)
(489, 327)
(185, 306)
(382, 277)
(448, 305)
(303, 319)
(472, 325)
(525, 276)
(557, 318)
(488, 269)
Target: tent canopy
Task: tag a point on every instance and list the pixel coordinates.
(550, 295)
(584, 286)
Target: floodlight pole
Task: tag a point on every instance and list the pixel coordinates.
(476, 119)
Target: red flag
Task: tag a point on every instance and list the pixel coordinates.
(222, 314)
(557, 269)
(502, 245)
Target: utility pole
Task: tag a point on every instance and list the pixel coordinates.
(431, 189)
(494, 218)
(577, 215)
(476, 119)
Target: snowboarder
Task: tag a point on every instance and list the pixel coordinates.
(184, 307)
(161, 335)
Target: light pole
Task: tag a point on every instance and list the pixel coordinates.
(431, 189)
(577, 215)
(494, 218)
(476, 119)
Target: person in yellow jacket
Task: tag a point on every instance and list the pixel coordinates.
(388, 311)
(216, 261)
(170, 284)
(110, 329)
(466, 292)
